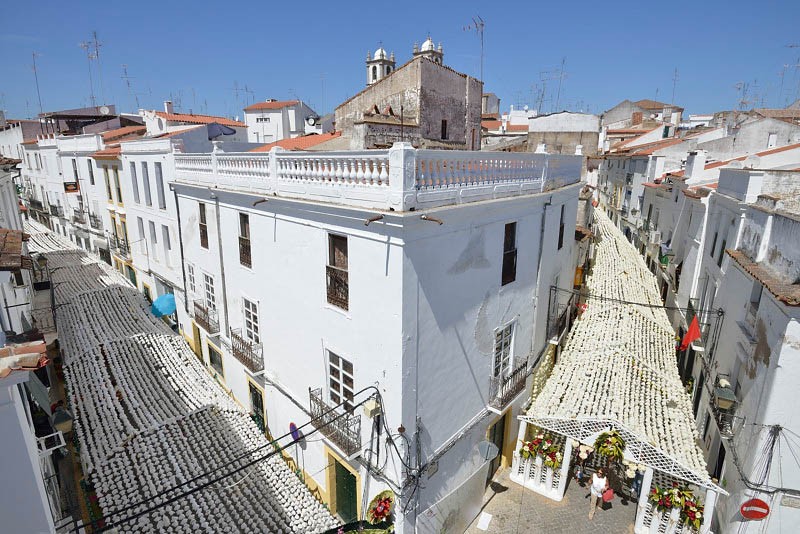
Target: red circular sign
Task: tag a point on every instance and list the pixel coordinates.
(754, 509)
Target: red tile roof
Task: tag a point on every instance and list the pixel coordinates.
(627, 131)
(490, 116)
(271, 105)
(654, 105)
(299, 143)
(112, 152)
(177, 132)
(491, 125)
(517, 128)
(789, 294)
(199, 119)
(11, 250)
(716, 164)
(119, 133)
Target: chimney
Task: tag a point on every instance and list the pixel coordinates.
(579, 150)
(541, 148)
(168, 106)
(695, 164)
(2, 119)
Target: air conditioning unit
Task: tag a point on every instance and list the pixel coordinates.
(655, 236)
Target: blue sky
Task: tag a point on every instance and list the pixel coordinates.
(198, 53)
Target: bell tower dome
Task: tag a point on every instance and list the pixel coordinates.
(429, 50)
(379, 65)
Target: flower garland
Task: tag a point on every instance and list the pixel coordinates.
(678, 497)
(380, 507)
(610, 444)
(536, 446)
(692, 513)
(552, 457)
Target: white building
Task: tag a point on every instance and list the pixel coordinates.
(273, 120)
(167, 121)
(314, 281)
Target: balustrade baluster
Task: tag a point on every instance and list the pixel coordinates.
(360, 172)
(384, 175)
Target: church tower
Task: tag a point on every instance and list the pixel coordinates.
(379, 65)
(430, 51)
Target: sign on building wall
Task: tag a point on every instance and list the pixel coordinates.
(72, 187)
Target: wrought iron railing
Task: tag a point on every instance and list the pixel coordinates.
(503, 389)
(121, 246)
(728, 423)
(96, 221)
(36, 204)
(244, 252)
(338, 286)
(343, 429)
(56, 210)
(78, 218)
(206, 317)
(246, 351)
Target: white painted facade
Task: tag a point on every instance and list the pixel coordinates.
(280, 120)
(15, 289)
(424, 304)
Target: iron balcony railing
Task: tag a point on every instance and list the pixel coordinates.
(56, 210)
(36, 204)
(337, 286)
(121, 246)
(246, 351)
(206, 317)
(78, 218)
(343, 429)
(96, 221)
(244, 252)
(503, 389)
(728, 423)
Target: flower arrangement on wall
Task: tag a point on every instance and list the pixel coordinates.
(681, 497)
(538, 445)
(380, 508)
(610, 444)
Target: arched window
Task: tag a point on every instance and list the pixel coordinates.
(374, 73)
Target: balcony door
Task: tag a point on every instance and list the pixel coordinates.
(496, 436)
(346, 499)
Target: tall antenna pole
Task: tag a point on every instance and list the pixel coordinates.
(97, 46)
(561, 76)
(89, 58)
(674, 83)
(478, 25)
(128, 79)
(36, 77)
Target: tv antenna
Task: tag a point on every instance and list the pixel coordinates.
(322, 92)
(236, 90)
(674, 83)
(561, 75)
(36, 77)
(97, 46)
(133, 96)
(89, 57)
(478, 25)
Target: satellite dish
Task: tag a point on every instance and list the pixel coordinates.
(104, 110)
(752, 161)
(488, 450)
(312, 120)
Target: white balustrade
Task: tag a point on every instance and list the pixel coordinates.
(400, 178)
(535, 476)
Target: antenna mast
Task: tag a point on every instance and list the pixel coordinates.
(89, 58)
(478, 25)
(674, 83)
(36, 77)
(128, 79)
(561, 75)
(97, 46)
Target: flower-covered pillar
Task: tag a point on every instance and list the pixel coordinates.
(708, 511)
(565, 461)
(644, 495)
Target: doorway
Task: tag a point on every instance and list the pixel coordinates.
(198, 346)
(257, 406)
(496, 435)
(720, 462)
(346, 500)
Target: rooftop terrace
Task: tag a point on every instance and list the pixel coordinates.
(401, 179)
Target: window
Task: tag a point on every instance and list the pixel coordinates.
(502, 350)
(772, 140)
(108, 184)
(162, 201)
(142, 240)
(147, 295)
(203, 226)
(262, 119)
(18, 279)
(721, 254)
(135, 184)
(148, 200)
(165, 242)
(340, 381)
(705, 425)
(215, 360)
(338, 283)
(713, 245)
(116, 183)
(444, 129)
(251, 321)
(190, 281)
(244, 240)
(74, 168)
(153, 238)
(374, 73)
(509, 273)
(561, 228)
(755, 294)
(208, 285)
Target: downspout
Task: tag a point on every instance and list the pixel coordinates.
(222, 266)
(539, 272)
(180, 244)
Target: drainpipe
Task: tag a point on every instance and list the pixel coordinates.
(180, 244)
(539, 272)
(222, 266)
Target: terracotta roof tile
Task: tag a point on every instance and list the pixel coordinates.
(789, 294)
(199, 119)
(113, 135)
(517, 128)
(491, 125)
(177, 132)
(271, 105)
(11, 249)
(299, 143)
(112, 152)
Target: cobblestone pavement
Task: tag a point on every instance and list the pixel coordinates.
(541, 515)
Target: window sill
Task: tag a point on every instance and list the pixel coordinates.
(343, 313)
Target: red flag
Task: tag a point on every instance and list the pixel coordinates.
(691, 335)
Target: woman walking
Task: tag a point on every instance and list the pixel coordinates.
(599, 486)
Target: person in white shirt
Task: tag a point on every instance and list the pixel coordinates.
(599, 486)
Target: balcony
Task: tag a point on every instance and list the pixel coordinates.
(57, 211)
(95, 221)
(121, 246)
(503, 389)
(79, 218)
(244, 252)
(337, 285)
(401, 178)
(246, 351)
(343, 429)
(206, 317)
(36, 205)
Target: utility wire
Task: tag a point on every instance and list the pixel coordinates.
(718, 311)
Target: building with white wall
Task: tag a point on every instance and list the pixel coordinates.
(274, 120)
(310, 277)
(167, 121)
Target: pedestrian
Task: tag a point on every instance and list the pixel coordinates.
(599, 486)
(637, 482)
(579, 468)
